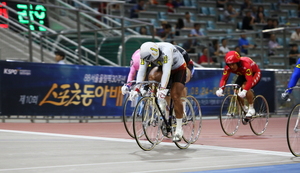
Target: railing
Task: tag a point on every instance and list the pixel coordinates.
(76, 56)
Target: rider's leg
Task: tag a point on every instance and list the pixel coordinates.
(184, 93)
(188, 75)
(176, 93)
(250, 95)
(155, 74)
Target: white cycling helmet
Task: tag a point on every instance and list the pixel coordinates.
(149, 51)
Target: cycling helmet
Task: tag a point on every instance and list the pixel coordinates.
(149, 51)
(232, 57)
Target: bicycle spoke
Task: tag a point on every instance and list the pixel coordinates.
(260, 120)
(293, 131)
(188, 125)
(230, 115)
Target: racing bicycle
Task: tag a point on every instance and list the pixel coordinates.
(293, 128)
(151, 123)
(129, 105)
(233, 112)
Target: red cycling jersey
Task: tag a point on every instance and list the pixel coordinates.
(248, 68)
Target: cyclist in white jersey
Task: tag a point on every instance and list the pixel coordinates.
(173, 71)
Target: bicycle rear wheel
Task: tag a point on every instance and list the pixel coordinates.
(259, 122)
(293, 131)
(188, 125)
(198, 117)
(147, 124)
(230, 115)
(128, 109)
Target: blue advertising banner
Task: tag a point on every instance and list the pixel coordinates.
(53, 89)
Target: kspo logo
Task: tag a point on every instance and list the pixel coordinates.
(10, 71)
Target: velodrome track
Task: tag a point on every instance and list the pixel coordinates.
(105, 147)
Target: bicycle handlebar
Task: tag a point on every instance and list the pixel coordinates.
(230, 85)
(294, 87)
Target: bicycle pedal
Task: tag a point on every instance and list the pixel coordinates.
(245, 121)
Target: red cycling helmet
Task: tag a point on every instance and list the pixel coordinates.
(232, 57)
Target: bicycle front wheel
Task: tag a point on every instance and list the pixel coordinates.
(128, 109)
(230, 115)
(260, 120)
(293, 131)
(188, 125)
(147, 124)
(198, 117)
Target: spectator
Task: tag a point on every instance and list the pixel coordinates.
(230, 14)
(247, 5)
(260, 18)
(244, 44)
(275, 23)
(296, 35)
(248, 21)
(59, 57)
(143, 30)
(170, 6)
(101, 9)
(273, 45)
(153, 2)
(188, 22)
(254, 11)
(261, 9)
(178, 26)
(162, 28)
(137, 8)
(214, 50)
(196, 33)
(269, 25)
(177, 3)
(221, 3)
(238, 50)
(188, 46)
(167, 34)
(223, 48)
(204, 57)
(294, 54)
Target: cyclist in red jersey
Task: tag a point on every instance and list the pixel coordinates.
(248, 76)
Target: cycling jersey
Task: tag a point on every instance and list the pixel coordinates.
(170, 60)
(247, 68)
(295, 76)
(188, 61)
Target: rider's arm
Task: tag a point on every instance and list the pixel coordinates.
(295, 76)
(134, 65)
(166, 67)
(142, 71)
(249, 76)
(132, 73)
(225, 76)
